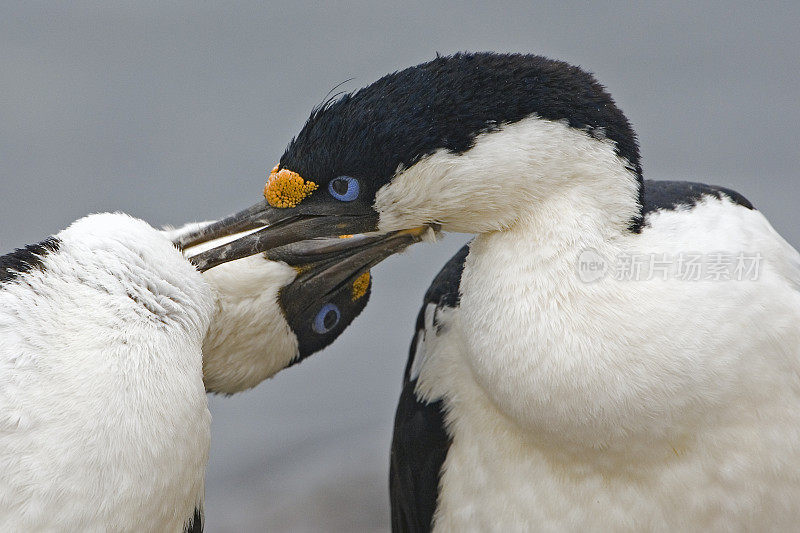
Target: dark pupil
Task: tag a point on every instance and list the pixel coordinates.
(340, 186)
(330, 319)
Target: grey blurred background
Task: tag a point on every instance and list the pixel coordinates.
(175, 112)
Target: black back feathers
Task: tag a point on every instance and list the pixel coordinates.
(25, 259)
(669, 195)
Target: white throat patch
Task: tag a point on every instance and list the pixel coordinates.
(506, 175)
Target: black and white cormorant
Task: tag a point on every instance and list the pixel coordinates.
(107, 333)
(608, 353)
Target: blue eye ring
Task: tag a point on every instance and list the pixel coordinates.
(344, 188)
(327, 318)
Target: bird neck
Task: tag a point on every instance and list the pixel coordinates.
(530, 323)
(248, 339)
(533, 173)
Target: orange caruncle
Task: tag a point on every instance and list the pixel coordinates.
(360, 286)
(285, 188)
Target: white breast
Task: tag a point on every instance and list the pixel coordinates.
(104, 423)
(622, 405)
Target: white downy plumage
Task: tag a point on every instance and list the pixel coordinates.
(104, 424)
(109, 338)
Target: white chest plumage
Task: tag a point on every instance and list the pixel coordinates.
(104, 424)
(621, 405)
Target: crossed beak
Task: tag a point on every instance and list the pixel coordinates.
(326, 265)
(273, 228)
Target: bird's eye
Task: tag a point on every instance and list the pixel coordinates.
(344, 188)
(326, 319)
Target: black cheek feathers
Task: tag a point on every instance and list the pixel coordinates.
(306, 325)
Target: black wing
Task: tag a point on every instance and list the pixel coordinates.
(420, 442)
(669, 195)
(195, 524)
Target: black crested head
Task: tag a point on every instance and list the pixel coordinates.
(445, 104)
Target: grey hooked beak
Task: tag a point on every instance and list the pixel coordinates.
(279, 227)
